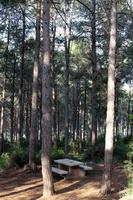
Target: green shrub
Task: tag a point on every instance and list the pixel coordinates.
(38, 157)
(127, 140)
(120, 151)
(97, 150)
(7, 145)
(24, 143)
(129, 172)
(101, 139)
(60, 143)
(57, 153)
(123, 149)
(87, 153)
(5, 161)
(128, 164)
(130, 151)
(75, 147)
(19, 155)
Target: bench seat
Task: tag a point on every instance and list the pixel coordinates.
(86, 168)
(59, 171)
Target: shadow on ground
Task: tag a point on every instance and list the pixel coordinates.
(23, 185)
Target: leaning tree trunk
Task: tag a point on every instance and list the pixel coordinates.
(33, 133)
(106, 182)
(48, 188)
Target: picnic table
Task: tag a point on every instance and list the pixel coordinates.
(74, 168)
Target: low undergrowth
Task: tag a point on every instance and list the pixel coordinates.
(18, 154)
(128, 164)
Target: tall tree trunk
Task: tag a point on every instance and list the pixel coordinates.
(27, 121)
(131, 119)
(48, 188)
(2, 109)
(80, 124)
(4, 88)
(116, 118)
(54, 111)
(12, 100)
(58, 118)
(67, 32)
(78, 110)
(21, 90)
(54, 88)
(40, 103)
(74, 115)
(84, 119)
(106, 182)
(33, 132)
(94, 74)
(28, 106)
(75, 105)
(40, 114)
(128, 114)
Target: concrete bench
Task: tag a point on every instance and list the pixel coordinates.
(59, 171)
(86, 168)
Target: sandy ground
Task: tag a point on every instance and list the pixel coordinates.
(22, 184)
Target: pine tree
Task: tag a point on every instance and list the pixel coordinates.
(106, 182)
(48, 188)
(33, 132)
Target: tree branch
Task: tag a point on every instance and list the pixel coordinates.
(84, 6)
(59, 13)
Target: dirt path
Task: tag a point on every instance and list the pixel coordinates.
(23, 185)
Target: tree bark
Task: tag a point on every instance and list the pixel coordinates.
(21, 90)
(117, 107)
(131, 119)
(94, 74)
(75, 107)
(67, 32)
(84, 119)
(48, 188)
(12, 100)
(33, 131)
(106, 182)
(58, 119)
(4, 88)
(54, 88)
(28, 100)
(128, 114)
(78, 109)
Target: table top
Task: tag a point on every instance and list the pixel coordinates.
(68, 162)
